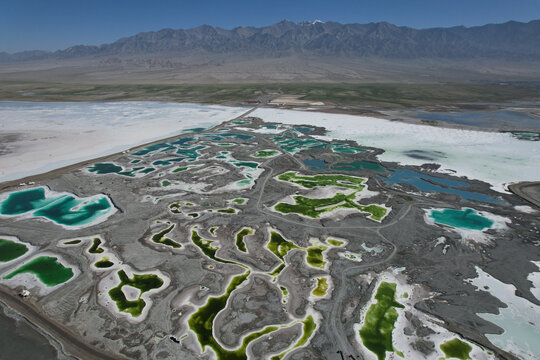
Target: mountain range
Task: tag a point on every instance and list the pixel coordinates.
(509, 41)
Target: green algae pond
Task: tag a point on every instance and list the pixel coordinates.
(378, 325)
(46, 268)
(334, 242)
(144, 282)
(161, 238)
(279, 246)
(95, 247)
(314, 208)
(11, 250)
(315, 257)
(240, 244)
(320, 180)
(456, 349)
(467, 219)
(62, 209)
(103, 263)
(201, 322)
(265, 153)
(308, 328)
(321, 288)
(73, 242)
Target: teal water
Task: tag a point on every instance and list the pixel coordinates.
(467, 219)
(304, 129)
(105, 168)
(428, 183)
(346, 149)
(359, 165)
(316, 164)
(62, 209)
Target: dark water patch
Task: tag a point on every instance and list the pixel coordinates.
(425, 155)
(105, 168)
(359, 165)
(19, 340)
(304, 129)
(316, 164)
(224, 136)
(427, 183)
(511, 119)
(198, 129)
(10, 250)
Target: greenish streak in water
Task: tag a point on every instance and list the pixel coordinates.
(72, 242)
(456, 348)
(10, 250)
(376, 331)
(467, 219)
(207, 248)
(47, 269)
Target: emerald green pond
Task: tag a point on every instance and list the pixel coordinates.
(456, 348)
(376, 331)
(144, 283)
(466, 218)
(47, 269)
(10, 250)
(62, 209)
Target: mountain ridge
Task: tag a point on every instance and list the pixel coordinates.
(509, 41)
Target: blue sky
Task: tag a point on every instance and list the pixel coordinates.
(55, 24)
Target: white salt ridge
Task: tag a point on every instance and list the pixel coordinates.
(525, 209)
(520, 319)
(496, 158)
(61, 134)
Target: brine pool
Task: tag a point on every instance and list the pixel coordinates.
(63, 209)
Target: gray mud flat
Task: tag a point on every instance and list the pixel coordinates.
(192, 184)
